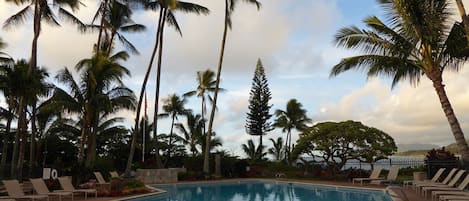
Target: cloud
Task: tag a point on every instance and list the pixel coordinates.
(410, 115)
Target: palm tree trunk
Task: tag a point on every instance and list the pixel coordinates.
(286, 146)
(91, 151)
(14, 156)
(101, 26)
(203, 112)
(83, 136)
(158, 80)
(450, 115)
(170, 147)
(22, 127)
(464, 17)
(140, 101)
(215, 96)
(5, 145)
(32, 149)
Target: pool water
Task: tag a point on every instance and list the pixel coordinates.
(262, 191)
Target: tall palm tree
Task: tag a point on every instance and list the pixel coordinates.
(173, 107)
(42, 10)
(277, 149)
(464, 17)
(417, 41)
(115, 19)
(193, 132)
(230, 5)
(294, 117)
(206, 84)
(166, 9)
(99, 93)
(7, 86)
(105, 92)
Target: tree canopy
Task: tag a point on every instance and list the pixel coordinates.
(337, 142)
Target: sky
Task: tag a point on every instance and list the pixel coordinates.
(294, 42)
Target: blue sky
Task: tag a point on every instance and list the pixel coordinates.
(295, 44)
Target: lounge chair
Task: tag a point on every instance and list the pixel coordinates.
(392, 191)
(15, 191)
(448, 178)
(454, 197)
(68, 187)
(114, 174)
(101, 180)
(374, 175)
(451, 184)
(434, 178)
(391, 177)
(41, 189)
(457, 190)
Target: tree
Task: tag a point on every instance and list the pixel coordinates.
(206, 85)
(294, 117)
(464, 17)
(42, 11)
(115, 19)
(173, 107)
(166, 9)
(99, 93)
(230, 6)
(277, 149)
(338, 142)
(193, 132)
(4, 57)
(417, 41)
(257, 122)
(253, 153)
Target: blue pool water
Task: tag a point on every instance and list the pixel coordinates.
(262, 191)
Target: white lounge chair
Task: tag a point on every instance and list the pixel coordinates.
(15, 191)
(433, 180)
(114, 174)
(101, 180)
(451, 184)
(391, 177)
(41, 189)
(454, 197)
(457, 190)
(68, 187)
(448, 178)
(374, 175)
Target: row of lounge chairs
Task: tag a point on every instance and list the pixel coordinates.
(375, 179)
(15, 190)
(450, 188)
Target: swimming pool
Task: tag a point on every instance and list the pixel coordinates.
(262, 191)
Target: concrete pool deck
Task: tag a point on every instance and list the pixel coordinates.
(411, 195)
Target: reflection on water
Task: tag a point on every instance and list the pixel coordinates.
(262, 191)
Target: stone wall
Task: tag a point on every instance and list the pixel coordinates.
(158, 176)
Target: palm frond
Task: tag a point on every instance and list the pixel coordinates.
(18, 18)
(74, 20)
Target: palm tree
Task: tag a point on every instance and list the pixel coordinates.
(102, 80)
(99, 93)
(173, 107)
(166, 8)
(116, 18)
(214, 142)
(42, 11)
(277, 149)
(206, 84)
(230, 5)
(254, 153)
(464, 17)
(7, 86)
(4, 57)
(193, 132)
(294, 117)
(417, 41)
